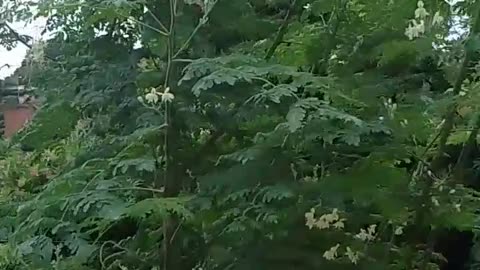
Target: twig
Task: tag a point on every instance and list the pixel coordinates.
(282, 30)
(102, 260)
(189, 39)
(144, 24)
(175, 232)
(157, 19)
(194, 32)
(5, 66)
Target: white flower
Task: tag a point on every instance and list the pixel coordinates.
(167, 96)
(339, 224)
(140, 99)
(308, 6)
(322, 223)
(371, 229)
(49, 155)
(144, 64)
(204, 132)
(367, 235)
(332, 217)
(437, 18)
(331, 254)
(457, 207)
(152, 96)
(410, 32)
(415, 29)
(421, 12)
(364, 236)
(352, 255)
(421, 27)
(435, 201)
(452, 191)
(310, 218)
(399, 230)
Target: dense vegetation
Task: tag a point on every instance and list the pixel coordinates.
(245, 134)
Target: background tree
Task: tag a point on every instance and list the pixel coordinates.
(240, 134)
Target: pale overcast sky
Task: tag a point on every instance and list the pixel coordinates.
(15, 56)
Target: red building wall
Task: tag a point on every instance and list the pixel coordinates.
(15, 118)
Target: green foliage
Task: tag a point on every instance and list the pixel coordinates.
(59, 121)
(200, 151)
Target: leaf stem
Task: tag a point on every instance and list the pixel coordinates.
(164, 29)
(194, 32)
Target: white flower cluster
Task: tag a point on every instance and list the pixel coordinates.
(368, 234)
(390, 107)
(332, 253)
(153, 96)
(456, 205)
(314, 178)
(416, 27)
(398, 228)
(325, 221)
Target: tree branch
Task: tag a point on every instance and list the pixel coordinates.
(17, 36)
(194, 32)
(282, 30)
(22, 40)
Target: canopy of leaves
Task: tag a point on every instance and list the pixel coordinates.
(235, 134)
